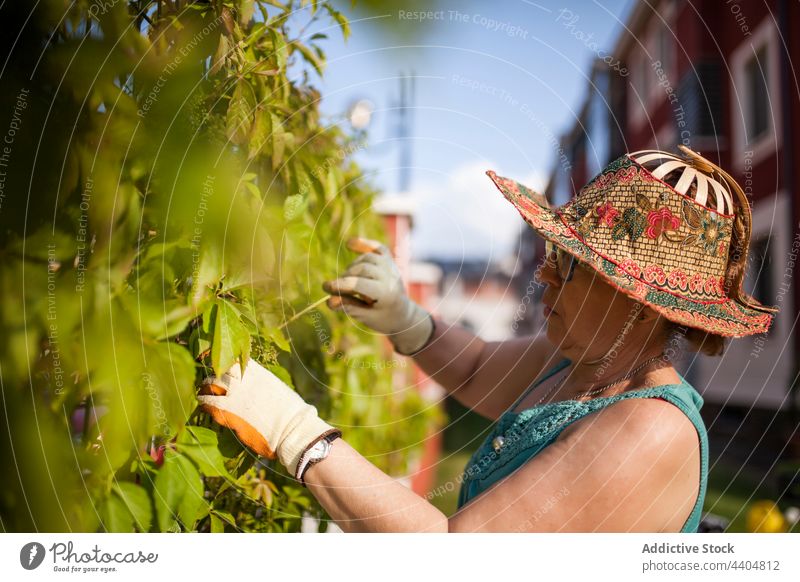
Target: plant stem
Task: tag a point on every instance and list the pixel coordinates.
(304, 311)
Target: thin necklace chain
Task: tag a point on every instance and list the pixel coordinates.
(598, 390)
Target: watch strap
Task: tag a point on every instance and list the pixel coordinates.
(305, 462)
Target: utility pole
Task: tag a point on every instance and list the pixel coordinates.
(405, 109)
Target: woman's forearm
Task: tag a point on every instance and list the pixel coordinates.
(451, 357)
(361, 498)
(483, 376)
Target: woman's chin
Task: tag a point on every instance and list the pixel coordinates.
(553, 331)
(556, 335)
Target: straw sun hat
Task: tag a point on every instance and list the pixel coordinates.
(666, 246)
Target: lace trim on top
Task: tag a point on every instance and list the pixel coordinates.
(539, 426)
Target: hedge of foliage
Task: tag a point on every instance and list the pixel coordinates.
(170, 201)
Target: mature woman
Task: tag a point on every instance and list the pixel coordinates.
(595, 431)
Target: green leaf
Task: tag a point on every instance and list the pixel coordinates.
(262, 129)
(340, 19)
(331, 185)
(137, 502)
(217, 525)
(246, 9)
(278, 141)
(220, 56)
(278, 339)
(231, 339)
(208, 274)
(178, 492)
(347, 217)
(208, 318)
(281, 373)
(281, 50)
(253, 189)
(239, 121)
(219, 519)
(168, 386)
(202, 447)
(199, 342)
(311, 58)
(115, 515)
(174, 319)
(294, 206)
(230, 446)
(247, 315)
(126, 509)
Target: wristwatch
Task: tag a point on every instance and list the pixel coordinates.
(315, 452)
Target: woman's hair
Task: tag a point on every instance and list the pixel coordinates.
(698, 340)
(712, 344)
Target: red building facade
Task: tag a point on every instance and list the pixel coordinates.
(716, 76)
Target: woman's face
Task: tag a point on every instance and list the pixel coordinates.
(587, 313)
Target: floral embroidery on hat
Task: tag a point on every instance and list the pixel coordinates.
(580, 216)
(631, 225)
(678, 279)
(631, 267)
(625, 175)
(606, 214)
(713, 232)
(661, 221)
(655, 274)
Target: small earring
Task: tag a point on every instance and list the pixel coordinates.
(642, 317)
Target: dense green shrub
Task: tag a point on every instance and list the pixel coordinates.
(171, 198)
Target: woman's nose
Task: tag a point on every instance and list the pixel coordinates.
(548, 273)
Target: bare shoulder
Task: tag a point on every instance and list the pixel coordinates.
(647, 423)
(656, 449)
(631, 466)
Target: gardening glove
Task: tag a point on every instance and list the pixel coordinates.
(384, 306)
(266, 414)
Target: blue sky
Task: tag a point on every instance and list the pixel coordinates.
(496, 84)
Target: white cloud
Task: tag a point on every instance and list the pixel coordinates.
(466, 216)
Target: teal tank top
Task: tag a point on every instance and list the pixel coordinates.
(529, 431)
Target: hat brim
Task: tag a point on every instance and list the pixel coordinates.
(727, 318)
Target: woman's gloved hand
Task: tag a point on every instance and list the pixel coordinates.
(266, 414)
(375, 276)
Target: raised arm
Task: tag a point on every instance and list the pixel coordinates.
(484, 376)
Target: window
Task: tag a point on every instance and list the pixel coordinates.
(755, 111)
(700, 96)
(642, 78)
(758, 280)
(598, 125)
(756, 73)
(562, 191)
(665, 49)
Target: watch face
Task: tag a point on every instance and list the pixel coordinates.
(318, 450)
